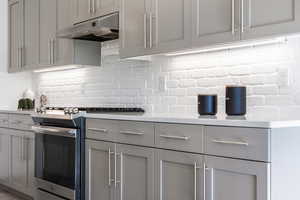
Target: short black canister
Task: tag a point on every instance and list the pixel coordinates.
(207, 104)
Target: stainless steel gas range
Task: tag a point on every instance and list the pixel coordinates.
(59, 151)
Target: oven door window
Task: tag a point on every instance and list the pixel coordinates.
(55, 159)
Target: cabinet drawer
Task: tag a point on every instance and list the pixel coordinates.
(179, 137)
(101, 129)
(138, 133)
(245, 143)
(3, 120)
(22, 122)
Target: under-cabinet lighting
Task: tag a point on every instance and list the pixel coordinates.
(61, 68)
(231, 46)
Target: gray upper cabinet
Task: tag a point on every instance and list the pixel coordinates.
(215, 21)
(134, 28)
(170, 27)
(47, 31)
(179, 176)
(270, 17)
(236, 179)
(31, 33)
(89, 9)
(136, 173)
(99, 170)
(16, 34)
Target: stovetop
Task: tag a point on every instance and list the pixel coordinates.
(96, 110)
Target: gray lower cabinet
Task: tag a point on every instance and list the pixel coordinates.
(4, 156)
(100, 171)
(179, 176)
(119, 171)
(136, 173)
(236, 179)
(18, 162)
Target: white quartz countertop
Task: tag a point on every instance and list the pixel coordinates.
(219, 120)
(248, 121)
(21, 112)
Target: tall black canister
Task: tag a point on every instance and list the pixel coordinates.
(236, 102)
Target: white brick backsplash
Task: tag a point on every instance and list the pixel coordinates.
(135, 83)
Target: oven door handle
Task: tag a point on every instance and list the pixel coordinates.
(56, 131)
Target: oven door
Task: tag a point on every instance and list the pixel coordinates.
(55, 159)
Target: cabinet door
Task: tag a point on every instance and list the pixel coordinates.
(100, 159)
(215, 21)
(270, 17)
(179, 176)
(170, 25)
(4, 156)
(18, 162)
(30, 169)
(47, 31)
(31, 31)
(134, 28)
(16, 34)
(83, 10)
(63, 48)
(135, 172)
(104, 7)
(236, 179)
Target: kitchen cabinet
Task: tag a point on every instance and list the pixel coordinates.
(151, 27)
(18, 162)
(179, 176)
(119, 171)
(89, 9)
(54, 16)
(136, 173)
(236, 179)
(99, 170)
(269, 17)
(134, 28)
(47, 32)
(215, 21)
(170, 29)
(16, 34)
(4, 156)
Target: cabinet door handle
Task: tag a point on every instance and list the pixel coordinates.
(145, 30)
(50, 52)
(109, 166)
(175, 137)
(131, 133)
(53, 51)
(242, 143)
(93, 7)
(150, 29)
(211, 185)
(233, 17)
(89, 7)
(242, 13)
(195, 180)
(121, 175)
(98, 130)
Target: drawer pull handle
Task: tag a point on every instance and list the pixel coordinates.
(175, 137)
(231, 142)
(98, 130)
(131, 133)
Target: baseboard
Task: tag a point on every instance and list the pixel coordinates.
(16, 193)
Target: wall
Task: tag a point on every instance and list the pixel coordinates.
(270, 72)
(11, 85)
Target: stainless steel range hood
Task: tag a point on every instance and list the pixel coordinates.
(100, 29)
